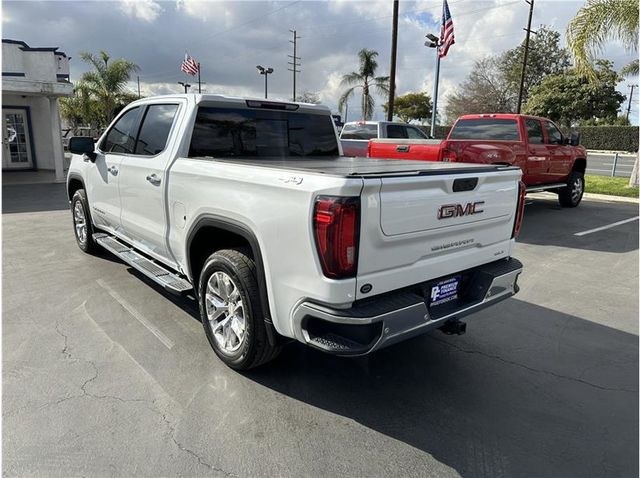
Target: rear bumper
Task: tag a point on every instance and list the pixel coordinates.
(391, 318)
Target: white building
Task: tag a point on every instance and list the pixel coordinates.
(33, 79)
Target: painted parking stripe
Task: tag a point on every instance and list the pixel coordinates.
(166, 341)
(608, 226)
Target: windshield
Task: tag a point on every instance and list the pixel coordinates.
(486, 128)
(237, 132)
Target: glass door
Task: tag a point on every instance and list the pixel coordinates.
(16, 139)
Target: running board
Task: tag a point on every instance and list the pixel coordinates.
(161, 276)
(545, 187)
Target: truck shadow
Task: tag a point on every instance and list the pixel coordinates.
(528, 392)
(545, 223)
(17, 198)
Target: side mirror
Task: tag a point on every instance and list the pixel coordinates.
(574, 139)
(82, 145)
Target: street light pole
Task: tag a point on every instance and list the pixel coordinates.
(186, 85)
(265, 71)
(434, 42)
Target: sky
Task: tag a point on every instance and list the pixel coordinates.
(230, 38)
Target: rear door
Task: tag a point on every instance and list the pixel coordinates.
(559, 153)
(538, 154)
(103, 175)
(143, 180)
(421, 227)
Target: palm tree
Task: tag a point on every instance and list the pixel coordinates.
(594, 24)
(364, 78)
(106, 84)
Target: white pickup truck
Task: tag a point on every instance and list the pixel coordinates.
(249, 206)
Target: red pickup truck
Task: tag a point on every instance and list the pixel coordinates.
(548, 159)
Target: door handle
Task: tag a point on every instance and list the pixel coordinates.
(403, 148)
(113, 170)
(154, 179)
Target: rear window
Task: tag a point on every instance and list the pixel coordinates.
(229, 132)
(486, 128)
(359, 131)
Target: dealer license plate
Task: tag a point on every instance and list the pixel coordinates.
(444, 291)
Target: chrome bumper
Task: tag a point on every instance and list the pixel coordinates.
(397, 317)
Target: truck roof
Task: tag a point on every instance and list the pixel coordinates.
(513, 116)
(198, 98)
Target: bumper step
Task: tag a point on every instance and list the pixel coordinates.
(171, 281)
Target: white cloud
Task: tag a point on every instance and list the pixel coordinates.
(146, 10)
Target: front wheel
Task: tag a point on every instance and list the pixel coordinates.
(231, 311)
(571, 194)
(82, 226)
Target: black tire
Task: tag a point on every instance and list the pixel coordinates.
(571, 195)
(86, 244)
(254, 349)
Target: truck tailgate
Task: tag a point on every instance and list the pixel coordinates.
(416, 149)
(419, 228)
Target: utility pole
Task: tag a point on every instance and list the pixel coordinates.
(526, 54)
(630, 99)
(392, 69)
(138, 77)
(295, 61)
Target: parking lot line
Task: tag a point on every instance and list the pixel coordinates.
(166, 341)
(608, 226)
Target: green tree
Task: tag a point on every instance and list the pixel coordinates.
(597, 22)
(412, 107)
(366, 79)
(570, 98)
(102, 91)
(546, 57)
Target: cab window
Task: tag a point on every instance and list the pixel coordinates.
(155, 129)
(534, 131)
(396, 131)
(359, 131)
(415, 133)
(122, 135)
(554, 136)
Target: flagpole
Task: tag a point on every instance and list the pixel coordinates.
(199, 90)
(435, 94)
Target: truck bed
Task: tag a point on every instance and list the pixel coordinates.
(365, 167)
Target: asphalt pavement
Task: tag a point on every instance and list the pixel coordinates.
(106, 375)
(602, 164)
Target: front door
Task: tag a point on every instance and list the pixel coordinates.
(559, 154)
(143, 182)
(16, 139)
(103, 175)
(535, 171)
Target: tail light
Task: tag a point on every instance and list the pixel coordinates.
(448, 156)
(336, 226)
(522, 191)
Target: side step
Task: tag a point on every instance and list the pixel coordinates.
(545, 187)
(169, 280)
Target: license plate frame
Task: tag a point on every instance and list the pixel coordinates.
(444, 291)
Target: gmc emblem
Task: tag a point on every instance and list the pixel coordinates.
(455, 210)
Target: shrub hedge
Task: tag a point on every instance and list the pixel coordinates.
(611, 138)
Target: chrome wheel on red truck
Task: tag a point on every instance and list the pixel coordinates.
(571, 195)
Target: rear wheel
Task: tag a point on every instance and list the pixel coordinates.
(82, 227)
(231, 311)
(571, 194)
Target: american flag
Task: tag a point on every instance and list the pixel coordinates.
(446, 32)
(189, 65)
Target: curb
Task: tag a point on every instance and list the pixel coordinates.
(606, 197)
(620, 153)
